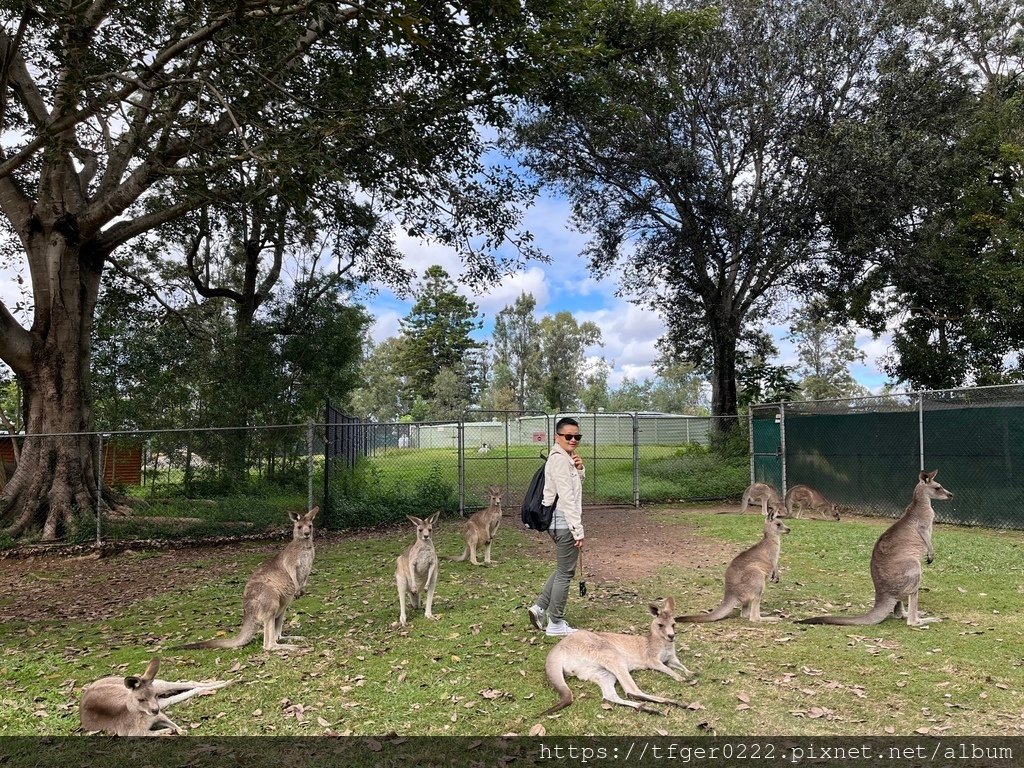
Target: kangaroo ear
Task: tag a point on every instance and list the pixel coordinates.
(312, 513)
(132, 682)
(151, 670)
(655, 610)
(670, 606)
(772, 514)
(414, 520)
(433, 517)
(294, 516)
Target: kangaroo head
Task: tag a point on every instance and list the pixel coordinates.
(930, 488)
(495, 494)
(143, 697)
(663, 627)
(302, 523)
(835, 511)
(773, 525)
(424, 528)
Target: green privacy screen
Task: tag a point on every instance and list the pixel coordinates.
(865, 453)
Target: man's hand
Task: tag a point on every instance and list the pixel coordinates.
(579, 543)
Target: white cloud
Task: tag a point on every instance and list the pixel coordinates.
(533, 281)
(630, 334)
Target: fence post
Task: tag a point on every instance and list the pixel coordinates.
(460, 434)
(750, 432)
(920, 426)
(782, 444)
(99, 489)
(309, 465)
(636, 460)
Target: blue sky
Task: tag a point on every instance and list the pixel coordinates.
(629, 332)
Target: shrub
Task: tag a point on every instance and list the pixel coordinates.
(360, 497)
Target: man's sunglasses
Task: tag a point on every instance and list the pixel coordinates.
(576, 438)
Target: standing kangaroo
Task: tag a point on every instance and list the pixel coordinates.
(746, 575)
(607, 657)
(763, 494)
(800, 496)
(481, 527)
(417, 568)
(271, 589)
(896, 560)
(133, 706)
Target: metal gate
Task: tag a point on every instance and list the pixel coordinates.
(768, 446)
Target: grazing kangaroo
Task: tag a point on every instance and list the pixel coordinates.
(481, 527)
(271, 589)
(746, 575)
(417, 568)
(607, 657)
(800, 496)
(763, 494)
(896, 560)
(134, 706)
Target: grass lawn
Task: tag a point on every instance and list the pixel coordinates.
(478, 670)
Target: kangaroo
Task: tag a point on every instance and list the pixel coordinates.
(607, 657)
(746, 574)
(134, 706)
(800, 496)
(481, 527)
(417, 568)
(271, 589)
(763, 494)
(896, 560)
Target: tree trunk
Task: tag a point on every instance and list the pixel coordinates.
(724, 400)
(56, 476)
(55, 479)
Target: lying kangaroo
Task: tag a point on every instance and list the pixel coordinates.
(607, 657)
(133, 706)
(746, 574)
(271, 589)
(800, 496)
(481, 527)
(417, 568)
(763, 494)
(896, 560)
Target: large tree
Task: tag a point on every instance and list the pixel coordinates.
(564, 367)
(516, 348)
(688, 159)
(437, 332)
(122, 120)
(922, 193)
(825, 353)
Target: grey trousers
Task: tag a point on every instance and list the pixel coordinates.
(556, 591)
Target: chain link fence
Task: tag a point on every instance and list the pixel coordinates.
(193, 484)
(865, 453)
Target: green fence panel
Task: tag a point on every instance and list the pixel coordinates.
(866, 461)
(979, 453)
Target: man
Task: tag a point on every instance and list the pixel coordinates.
(563, 477)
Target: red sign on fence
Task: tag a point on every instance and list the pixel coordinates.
(540, 437)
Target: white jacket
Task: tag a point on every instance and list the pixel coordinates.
(562, 478)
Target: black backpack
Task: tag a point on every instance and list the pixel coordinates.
(536, 515)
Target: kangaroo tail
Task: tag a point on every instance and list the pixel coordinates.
(464, 556)
(247, 633)
(556, 676)
(721, 612)
(882, 608)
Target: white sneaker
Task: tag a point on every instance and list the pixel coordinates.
(559, 629)
(537, 616)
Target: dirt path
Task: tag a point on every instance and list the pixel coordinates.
(623, 545)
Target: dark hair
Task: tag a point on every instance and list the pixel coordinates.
(566, 420)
